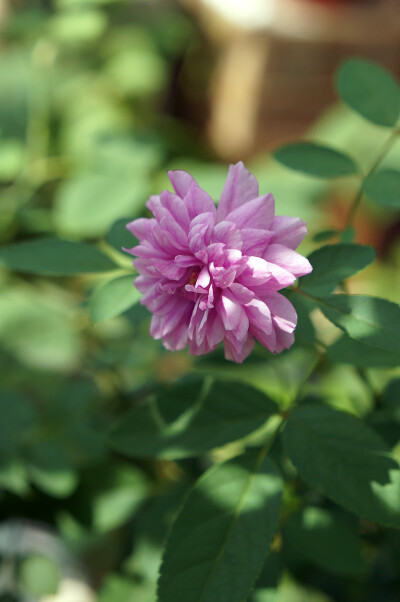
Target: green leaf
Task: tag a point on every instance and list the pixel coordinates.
(325, 540)
(316, 160)
(39, 575)
(113, 298)
(88, 205)
(391, 398)
(383, 187)
(119, 236)
(334, 263)
(223, 533)
(17, 417)
(341, 457)
(370, 90)
(356, 353)
(190, 419)
(369, 320)
(50, 469)
(120, 499)
(324, 235)
(54, 257)
(266, 587)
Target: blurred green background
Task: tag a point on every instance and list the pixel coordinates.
(98, 98)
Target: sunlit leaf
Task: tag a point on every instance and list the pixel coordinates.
(113, 298)
(39, 575)
(334, 263)
(89, 204)
(228, 520)
(341, 457)
(191, 418)
(316, 160)
(383, 187)
(370, 90)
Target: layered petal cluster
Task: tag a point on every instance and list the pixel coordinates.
(212, 275)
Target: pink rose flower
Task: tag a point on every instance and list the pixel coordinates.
(212, 275)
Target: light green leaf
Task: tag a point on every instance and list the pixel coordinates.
(75, 27)
(39, 575)
(223, 533)
(89, 204)
(370, 90)
(113, 298)
(383, 187)
(114, 505)
(54, 257)
(356, 353)
(369, 320)
(334, 263)
(190, 419)
(325, 540)
(316, 160)
(341, 457)
(37, 329)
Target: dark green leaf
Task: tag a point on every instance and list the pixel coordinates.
(54, 257)
(369, 320)
(370, 90)
(356, 353)
(334, 263)
(391, 397)
(340, 456)
(316, 160)
(113, 298)
(323, 539)
(325, 235)
(50, 469)
(266, 587)
(190, 419)
(383, 187)
(119, 236)
(223, 533)
(17, 417)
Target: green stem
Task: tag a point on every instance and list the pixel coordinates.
(357, 199)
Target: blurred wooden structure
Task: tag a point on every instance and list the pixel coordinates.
(276, 61)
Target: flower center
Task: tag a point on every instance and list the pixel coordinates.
(193, 277)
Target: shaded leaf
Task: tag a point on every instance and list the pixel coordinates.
(223, 533)
(190, 419)
(54, 257)
(50, 469)
(369, 320)
(316, 160)
(334, 263)
(340, 456)
(383, 187)
(370, 90)
(326, 541)
(349, 351)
